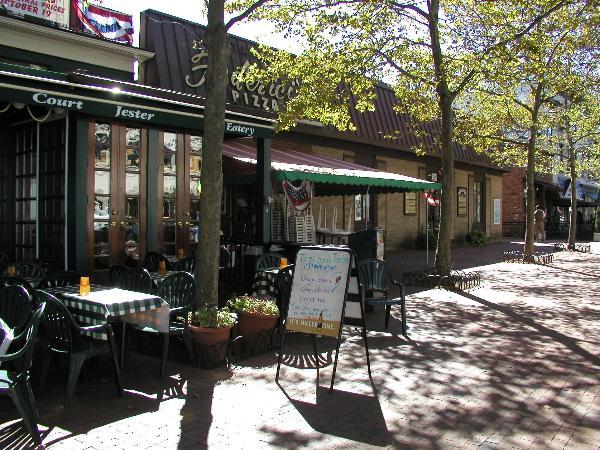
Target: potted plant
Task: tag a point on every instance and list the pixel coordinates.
(255, 314)
(210, 325)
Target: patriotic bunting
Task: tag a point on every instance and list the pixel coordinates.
(299, 197)
(104, 22)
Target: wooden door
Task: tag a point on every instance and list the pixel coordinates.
(479, 203)
(179, 193)
(117, 183)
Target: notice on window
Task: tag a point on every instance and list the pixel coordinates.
(52, 10)
(497, 211)
(318, 292)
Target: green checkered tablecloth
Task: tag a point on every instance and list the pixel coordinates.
(264, 283)
(103, 302)
(158, 278)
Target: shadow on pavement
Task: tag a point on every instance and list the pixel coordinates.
(567, 341)
(343, 414)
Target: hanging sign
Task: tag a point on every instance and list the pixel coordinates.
(52, 10)
(318, 292)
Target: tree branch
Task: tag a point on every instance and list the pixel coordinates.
(410, 7)
(245, 14)
(392, 63)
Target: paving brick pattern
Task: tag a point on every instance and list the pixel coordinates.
(513, 364)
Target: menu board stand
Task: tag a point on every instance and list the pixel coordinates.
(318, 298)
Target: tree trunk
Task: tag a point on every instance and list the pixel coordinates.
(573, 173)
(443, 253)
(531, 144)
(207, 264)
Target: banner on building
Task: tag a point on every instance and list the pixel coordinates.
(103, 22)
(433, 198)
(299, 197)
(52, 10)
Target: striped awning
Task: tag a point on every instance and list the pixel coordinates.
(292, 165)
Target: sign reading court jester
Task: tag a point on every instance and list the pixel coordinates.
(118, 110)
(318, 292)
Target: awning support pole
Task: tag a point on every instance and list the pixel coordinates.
(367, 208)
(265, 189)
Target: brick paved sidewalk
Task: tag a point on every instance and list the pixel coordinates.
(513, 364)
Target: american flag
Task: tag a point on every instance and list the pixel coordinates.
(298, 196)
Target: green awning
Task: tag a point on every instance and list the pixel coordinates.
(336, 177)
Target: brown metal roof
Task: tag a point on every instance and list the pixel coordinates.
(175, 40)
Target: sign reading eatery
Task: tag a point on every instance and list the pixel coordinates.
(318, 292)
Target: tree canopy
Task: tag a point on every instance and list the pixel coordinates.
(435, 54)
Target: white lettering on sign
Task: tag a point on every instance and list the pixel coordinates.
(253, 94)
(45, 99)
(132, 113)
(240, 129)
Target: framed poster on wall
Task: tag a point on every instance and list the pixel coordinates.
(462, 201)
(497, 211)
(410, 203)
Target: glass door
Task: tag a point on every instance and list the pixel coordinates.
(118, 181)
(179, 193)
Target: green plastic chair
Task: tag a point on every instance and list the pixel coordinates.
(377, 279)
(15, 383)
(65, 340)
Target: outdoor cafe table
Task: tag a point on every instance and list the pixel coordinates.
(101, 303)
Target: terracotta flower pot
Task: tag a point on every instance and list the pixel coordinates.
(250, 323)
(207, 336)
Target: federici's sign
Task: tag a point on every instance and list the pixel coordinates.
(181, 59)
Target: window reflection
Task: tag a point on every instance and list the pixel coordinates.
(169, 208)
(101, 207)
(132, 137)
(132, 183)
(195, 187)
(170, 185)
(196, 144)
(101, 233)
(132, 207)
(170, 163)
(170, 142)
(102, 182)
(133, 159)
(102, 146)
(195, 165)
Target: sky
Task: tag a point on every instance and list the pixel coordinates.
(262, 32)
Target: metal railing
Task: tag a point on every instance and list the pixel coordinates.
(513, 229)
